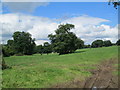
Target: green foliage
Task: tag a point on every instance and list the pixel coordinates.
(107, 43)
(2, 61)
(47, 48)
(87, 46)
(39, 49)
(97, 43)
(6, 51)
(10, 46)
(4, 66)
(64, 41)
(118, 42)
(44, 71)
(23, 43)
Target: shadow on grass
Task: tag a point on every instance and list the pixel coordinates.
(79, 51)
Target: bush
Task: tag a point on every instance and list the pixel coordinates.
(4, 66)
(19, 54)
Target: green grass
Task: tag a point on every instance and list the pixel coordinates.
(39, 71)
(117, 71)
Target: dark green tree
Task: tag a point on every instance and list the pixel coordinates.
(118, 42)
(8, 49)
(87, 46)
(79, 43)
(97, 43)
(107, 43)
(5, 51)
(10, 46)
(39, 49)
(64, 41)
(23, 43)
(47, 48)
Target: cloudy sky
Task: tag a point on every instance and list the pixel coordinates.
(92, 20)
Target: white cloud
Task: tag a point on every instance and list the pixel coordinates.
(86, 27)
(41, 42)
(91, 28)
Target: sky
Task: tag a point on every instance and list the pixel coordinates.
(92, 20)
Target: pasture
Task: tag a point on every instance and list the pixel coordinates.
(42, 71)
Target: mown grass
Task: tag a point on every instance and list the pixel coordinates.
(39, 71)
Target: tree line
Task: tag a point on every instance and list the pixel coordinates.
(63, 42)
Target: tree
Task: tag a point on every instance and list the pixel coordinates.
(79, 43)
(23, 43)
(118, 42)
(5, 51)
(64, 41)
(107, 43)
(8, 49)
(10, 46)
(97, 43)
(47, 48)
(115, 3)
(39, 49)
(87, 46)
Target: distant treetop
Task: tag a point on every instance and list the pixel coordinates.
(116, 3)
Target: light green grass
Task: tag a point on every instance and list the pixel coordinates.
(39, 71)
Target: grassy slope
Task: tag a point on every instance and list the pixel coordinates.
(45, 70)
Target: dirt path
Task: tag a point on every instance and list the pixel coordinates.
(102, 77)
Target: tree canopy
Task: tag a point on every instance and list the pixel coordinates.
(64, 41)
(97, 43)
(23, 43)
(107, 43)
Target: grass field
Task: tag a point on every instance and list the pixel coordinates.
(38, 71)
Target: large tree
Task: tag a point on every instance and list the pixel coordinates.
(97, 43)
(23, 43)
(64, 41)
(107, 43)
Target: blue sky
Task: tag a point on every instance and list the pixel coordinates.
(84, 11)
(95, 9)
(58, 9)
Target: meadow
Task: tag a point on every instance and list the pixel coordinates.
(40, 71)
